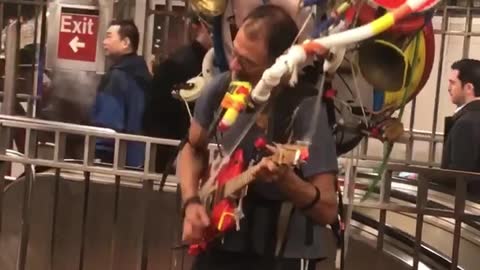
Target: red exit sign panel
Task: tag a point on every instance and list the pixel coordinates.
(78, 36)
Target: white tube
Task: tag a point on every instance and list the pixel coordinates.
(415, 4)
(271, 77)
(346, 37)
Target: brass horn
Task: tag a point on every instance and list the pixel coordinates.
(209, 7)
(383, 65)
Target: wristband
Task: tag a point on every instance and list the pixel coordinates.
(191, 200)
(313, 202)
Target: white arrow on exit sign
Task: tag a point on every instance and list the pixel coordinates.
(75, 44)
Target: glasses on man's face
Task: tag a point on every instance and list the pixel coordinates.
(246, 64)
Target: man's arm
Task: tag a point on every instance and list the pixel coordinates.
(301, 193)
(193, 160)
(315, 192)
(190, 167)
(464, 147)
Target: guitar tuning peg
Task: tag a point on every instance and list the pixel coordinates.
(304, 154)
(260, 143)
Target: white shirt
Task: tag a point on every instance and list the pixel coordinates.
(461, 107)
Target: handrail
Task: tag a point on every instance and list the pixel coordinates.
(404, 238)
(403, 196)
(437, 173)
(76, 129)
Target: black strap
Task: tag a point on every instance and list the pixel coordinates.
(341, 230)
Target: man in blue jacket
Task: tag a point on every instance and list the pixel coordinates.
(120, 100)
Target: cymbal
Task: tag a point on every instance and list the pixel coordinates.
(209, 7)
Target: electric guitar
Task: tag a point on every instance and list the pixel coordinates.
(222, 198)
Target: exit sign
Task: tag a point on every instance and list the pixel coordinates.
(78, 35)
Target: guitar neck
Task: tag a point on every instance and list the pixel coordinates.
(238, 182)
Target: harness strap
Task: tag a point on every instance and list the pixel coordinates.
(286, 211)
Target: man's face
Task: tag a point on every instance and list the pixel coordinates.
(113, 44)
(249, 58)
(455, 89)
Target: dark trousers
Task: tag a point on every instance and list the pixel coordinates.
(224, 260)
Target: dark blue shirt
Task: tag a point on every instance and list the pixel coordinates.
(293, 107)
(120, 104)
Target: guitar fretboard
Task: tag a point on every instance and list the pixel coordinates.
(238, 182)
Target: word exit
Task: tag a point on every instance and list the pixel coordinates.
(69, 25)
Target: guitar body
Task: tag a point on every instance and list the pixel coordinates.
(222, 216)
(234, 167)
(232, 178)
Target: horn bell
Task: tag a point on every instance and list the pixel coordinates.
(383, 65)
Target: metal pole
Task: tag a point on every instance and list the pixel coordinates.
(468, 29)
(409, 152)
(147, 193)
(166, 27)
(459, 210)
(422, 195)
(431, 152)
(31, 104)
(145, 44)
(186, 25)
(1, 23)
(142, 16)
(384, 199)
(11, 61)
(84, 219)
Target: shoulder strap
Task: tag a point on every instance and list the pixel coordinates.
(286, 211)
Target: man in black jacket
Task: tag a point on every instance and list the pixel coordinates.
(461, 150)
(165, 115)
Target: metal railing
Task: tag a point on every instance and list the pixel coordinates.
(425, 177)
(90, 173)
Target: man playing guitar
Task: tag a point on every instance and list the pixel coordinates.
(265, 34)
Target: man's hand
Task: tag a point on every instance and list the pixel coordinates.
(268, 170)
(195, 222)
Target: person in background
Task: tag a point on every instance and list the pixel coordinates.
(461, 149)
(167, 116)
(120, 100)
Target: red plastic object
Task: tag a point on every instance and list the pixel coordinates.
(391, 4)
(304, 154)
(260, 143)
(330, 93)
(233, 168)
(375, 132)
